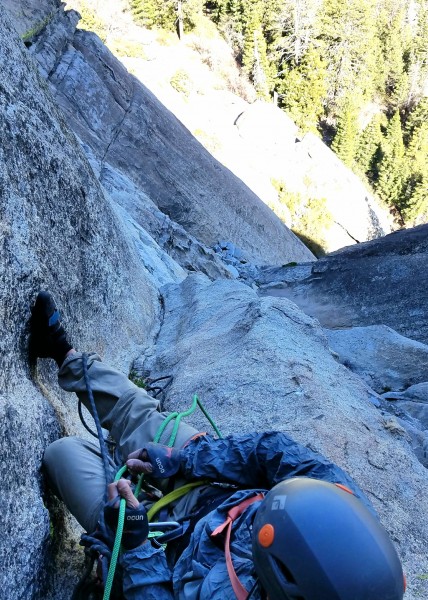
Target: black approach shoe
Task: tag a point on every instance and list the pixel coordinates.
(48, 338)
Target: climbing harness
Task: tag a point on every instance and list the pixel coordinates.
(160, 527)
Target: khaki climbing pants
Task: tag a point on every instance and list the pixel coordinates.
(74, 466)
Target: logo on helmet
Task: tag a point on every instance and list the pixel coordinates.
(278, 502)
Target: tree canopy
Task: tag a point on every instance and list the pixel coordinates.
(356, 72)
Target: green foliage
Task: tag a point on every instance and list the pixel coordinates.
(164, 13)
(181, 82)
(391, 173)
(302, 90)
(254, 53)
(38, 28)
(345, 140)
(151, 13)
(330, 62)
(368, 145)
(413, 203)
(310, 218)
(137, 379)
(416, 118)
(347, 32)
(91, 22)
(394, 47)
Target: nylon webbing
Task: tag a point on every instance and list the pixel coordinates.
(235, 512)
(173, 496)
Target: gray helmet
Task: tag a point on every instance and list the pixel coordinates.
(313, 540)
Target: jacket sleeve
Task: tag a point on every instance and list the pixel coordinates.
(146, 574)
(259, 460)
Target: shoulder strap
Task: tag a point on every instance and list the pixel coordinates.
(236, 511)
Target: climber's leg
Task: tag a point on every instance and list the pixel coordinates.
(131, 415)
(76, 474)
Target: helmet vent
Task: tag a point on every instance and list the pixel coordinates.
(285, 572)
(292, 587)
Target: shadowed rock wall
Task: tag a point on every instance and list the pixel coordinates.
(382, 282)
(57, 231)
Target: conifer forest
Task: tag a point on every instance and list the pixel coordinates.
(354, 72)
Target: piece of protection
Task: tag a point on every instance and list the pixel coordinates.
(155, 460)
(136, 525)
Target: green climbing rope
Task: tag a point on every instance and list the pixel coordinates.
(121, 518)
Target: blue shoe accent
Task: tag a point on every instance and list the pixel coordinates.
(54, 318)
(48, 338)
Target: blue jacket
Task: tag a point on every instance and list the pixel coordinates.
(255, 462)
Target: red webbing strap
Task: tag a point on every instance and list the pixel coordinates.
(236, 511)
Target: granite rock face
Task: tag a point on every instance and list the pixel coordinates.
(308, 167)
(261, 363)
(389, 363)
(414, 401)
(82, 217)
(57, 231)
(29, 17)
(181, 246)
(382, 282)
(382, 357)
(411, 410)
(129, 130)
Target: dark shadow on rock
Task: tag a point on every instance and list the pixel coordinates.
(310, 243)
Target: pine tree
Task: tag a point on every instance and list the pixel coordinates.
(368, 146)
(164, 13)
(302, 90)
(235, 10)
(216, 9)
(292, 27)
(351, 48)
(391, 176)
(345, 140)
(417, 149)
(145, 11)
(414, 201)
(416, 118)
(418, 51)
(416, 207)
(254, 56)
(394, 41)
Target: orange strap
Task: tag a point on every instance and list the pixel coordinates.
(236, 511)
